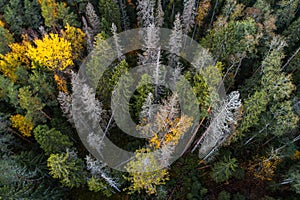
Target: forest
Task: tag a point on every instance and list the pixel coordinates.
(204, 97)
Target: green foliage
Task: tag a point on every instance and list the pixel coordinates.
(224, 195)
(270, 105)
(96, 185)
(254, 105)
(8, 91)
(286, 6)
(42, 84)
(223, 170)
(32, 104)
(292, 38)
(51, 141)
(13, 16)
(294, 175)
(66, 16)
(110, 13)
(20, 16)
(32, 14)
(23, 175)
(5, 39)
(144, 87)
(68, 168)
(234, 38)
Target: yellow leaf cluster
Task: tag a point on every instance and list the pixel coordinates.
(61, 83)
(172, 131)
(296, 155)
(52, 51)
(23, 124)
(264, 169)
(76, 37)
(203, 10)
(9, 64)
(145, 172)
(49, 11)
(2, 24)
(15, 58)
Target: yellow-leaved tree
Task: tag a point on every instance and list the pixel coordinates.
(23, 124)
(167, 126)
(53, 52)
(15, 58)
(77, 39)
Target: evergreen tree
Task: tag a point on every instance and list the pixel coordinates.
(110, 13)
(68, 168)
(188, 15)
(5, 39)
(51, 140)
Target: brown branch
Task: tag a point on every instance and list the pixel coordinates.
(290, 59)
(194, 134)
(20, 136)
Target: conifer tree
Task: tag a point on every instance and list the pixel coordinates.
(68, 168)
(110, 13)
(92, 18)
(51, 140)
(124, 17)
(188, 15)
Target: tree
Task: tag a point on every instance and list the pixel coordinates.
(49, 12)
(51, 140)
(52, 51)
(11, 61)
(32, 104)
(101, 179)
(175, 42)
(223, 123)
(144, 87)
(57, 15)
(110, 13)
(8, 91)
(23, 124)
(124, 17)
(166, 128)
(68, 168)
(151, 46)
(293, 177)
(65, 101)
(145, 13)
(271, 105)
(76, 38)
(117, 45)
(188, 16)
(145, 172)
(224, 169)
(23, 176)
(13, 15)
(202, 11)
(232, 39)
(159, 18)
(6, 38)
(92, 18)
(286, 6)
